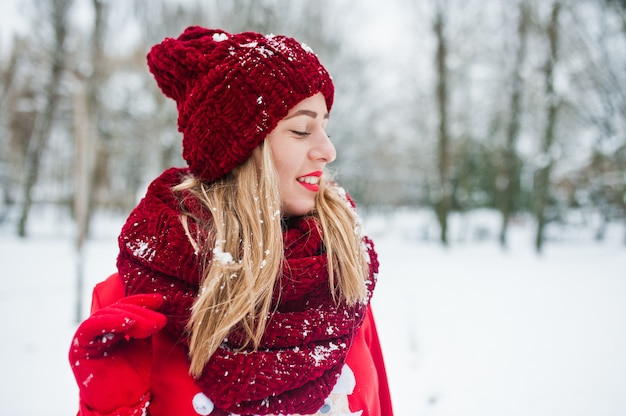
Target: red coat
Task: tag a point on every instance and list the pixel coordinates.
(362, 386)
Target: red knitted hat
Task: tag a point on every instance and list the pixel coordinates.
(231, 90)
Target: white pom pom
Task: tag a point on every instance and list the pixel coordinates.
(202, 404)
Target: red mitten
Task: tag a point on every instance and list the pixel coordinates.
(111, 355)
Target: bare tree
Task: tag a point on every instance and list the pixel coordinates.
(543, 174)
(6, 87)
(87, 113)
(444, 197)
(509, 185)
(44, 121)
(611, 90)
(90, 153)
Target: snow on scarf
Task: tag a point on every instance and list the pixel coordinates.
(306, 340)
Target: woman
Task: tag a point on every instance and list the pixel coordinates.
(243, 280)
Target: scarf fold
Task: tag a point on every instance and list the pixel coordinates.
(307, 337)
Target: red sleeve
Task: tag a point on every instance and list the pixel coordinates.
(107, 292)
(104, 294)
(377, 355)
(371, 391)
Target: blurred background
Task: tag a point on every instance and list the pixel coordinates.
(452, 105)
(483, 140)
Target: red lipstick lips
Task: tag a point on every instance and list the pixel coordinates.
(311, 181)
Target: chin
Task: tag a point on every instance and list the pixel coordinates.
(299, 210)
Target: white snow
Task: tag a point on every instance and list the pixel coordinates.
(219, 37)
(467, 331)
(307, 48)
(141, 249)
(224, 257)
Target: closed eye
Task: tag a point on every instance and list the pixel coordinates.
(300, 133)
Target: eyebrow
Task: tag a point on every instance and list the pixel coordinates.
(308, 113)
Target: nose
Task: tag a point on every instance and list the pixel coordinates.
(323, 149)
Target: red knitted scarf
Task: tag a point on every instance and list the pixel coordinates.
(306, 340)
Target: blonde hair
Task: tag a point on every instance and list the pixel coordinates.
(243, 253)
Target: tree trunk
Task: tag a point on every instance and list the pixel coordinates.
(8, 77)
(82, 166)
(509, 191)
(542, 176)
(44, 121)
(88, 148)
(97, 153)
(442, 204)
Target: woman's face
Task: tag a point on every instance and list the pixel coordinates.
(300, 149)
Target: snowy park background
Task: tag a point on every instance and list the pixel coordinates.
(470, 330)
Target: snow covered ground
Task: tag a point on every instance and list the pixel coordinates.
(471, 330)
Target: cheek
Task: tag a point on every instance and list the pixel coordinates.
(284, 163)
(282, 171)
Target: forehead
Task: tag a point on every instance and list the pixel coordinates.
(313, 106)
